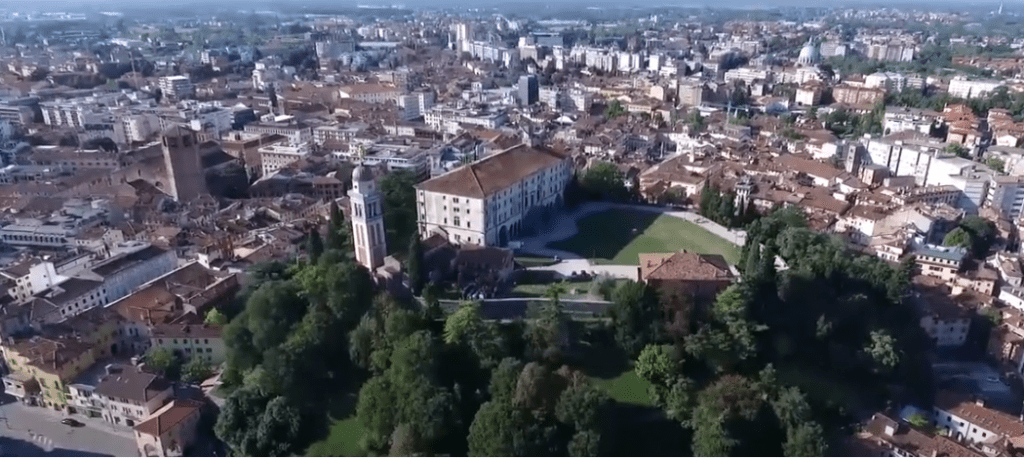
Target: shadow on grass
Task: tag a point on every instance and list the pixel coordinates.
(342, 406)
(597, 354)
(603, 235)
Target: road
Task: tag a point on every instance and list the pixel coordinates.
(35, 431)
(565, 227)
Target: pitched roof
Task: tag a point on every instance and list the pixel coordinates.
(684, 265)
(167, 417)
(962, 406)
(914, 441)
(494, 173)
(125, 381)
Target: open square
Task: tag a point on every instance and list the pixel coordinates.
(617, 236)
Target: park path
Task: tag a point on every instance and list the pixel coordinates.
(564, 227)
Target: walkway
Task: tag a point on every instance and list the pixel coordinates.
(564, 227)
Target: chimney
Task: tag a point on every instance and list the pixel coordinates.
(890, 429)
(980, 402)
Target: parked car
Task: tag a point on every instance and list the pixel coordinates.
(71, 422)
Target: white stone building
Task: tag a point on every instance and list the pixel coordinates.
(489, 201)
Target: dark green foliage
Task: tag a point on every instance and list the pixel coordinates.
(314, 245)
(414, 264)
(720, 207)
(338, 231)
(635, 315)
(399, 192)
(614, 109)
(605, 181)
(982, 234)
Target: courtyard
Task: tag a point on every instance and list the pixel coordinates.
(617, 236)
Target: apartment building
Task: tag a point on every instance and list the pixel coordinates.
(963, 88)
(177, 87)
(1006, 194)
(941, 262)
(276, 156)
(488, 202)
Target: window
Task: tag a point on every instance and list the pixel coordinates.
(209, 350)
(206, 341)
(456, 220)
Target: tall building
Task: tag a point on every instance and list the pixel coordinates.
(463, 36)
(1006, 194)
(367, 216)
(185, 179)
(177, 87)
(529, 90)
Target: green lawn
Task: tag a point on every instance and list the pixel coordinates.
(343, 440)
(534, 262)
(617, 236)
(538, 290)
(627, 388)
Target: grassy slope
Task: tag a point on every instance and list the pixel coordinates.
(617, 236)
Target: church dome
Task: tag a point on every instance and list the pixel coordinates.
(808, 55)
(362, 174)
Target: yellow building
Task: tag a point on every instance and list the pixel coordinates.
(58, 355)
(52, 362)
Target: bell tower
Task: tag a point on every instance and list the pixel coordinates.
(367, 215)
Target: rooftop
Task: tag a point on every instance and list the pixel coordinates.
(487, 176)
(684, 265)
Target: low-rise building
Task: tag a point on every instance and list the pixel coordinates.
(970, 421)
(129, 395)
(190, 340)
(170, 430)
(938, 261)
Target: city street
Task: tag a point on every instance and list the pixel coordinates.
(35, 431)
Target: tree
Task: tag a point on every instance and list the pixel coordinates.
(791, 407)
(805, 440)
(695, 121)
(376, 411)
(982, 231)
(957, 149)
(238, 420)
(215, 317)
(918, 420)
(271, 311)
(883, 350)
(494, 430)
(997, 164)
(957, 238)
(636, 316)
(658, 364)
(729, 420)
(337, 229)
(315, 245)
(461, 322)
(614, 109)
(676, 398)
(605, 181)
(399, 192)
(504, 379)
(414, 264)
(196, 370)
(161, 360)
(279, 430)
